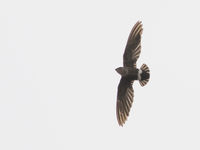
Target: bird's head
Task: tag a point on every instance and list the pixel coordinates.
(122, 71)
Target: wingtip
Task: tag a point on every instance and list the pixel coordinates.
(120, 118)
(139, 22)
(121, 125)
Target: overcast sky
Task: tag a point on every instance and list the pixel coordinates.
(58, 84)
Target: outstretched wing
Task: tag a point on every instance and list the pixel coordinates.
(133, 46)
(124, 100)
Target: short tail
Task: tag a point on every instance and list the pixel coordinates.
(145, 68)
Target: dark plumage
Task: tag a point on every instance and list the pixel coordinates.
(129, 73)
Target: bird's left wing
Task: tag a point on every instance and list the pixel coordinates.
(133, 46)
(124, 100)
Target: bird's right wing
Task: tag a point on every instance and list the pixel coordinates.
(124, 100)
(133, 46)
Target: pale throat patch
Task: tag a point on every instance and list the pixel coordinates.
(139, 74)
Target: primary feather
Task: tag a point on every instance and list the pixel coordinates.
(133, 46)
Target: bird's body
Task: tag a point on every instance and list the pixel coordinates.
(129, 73)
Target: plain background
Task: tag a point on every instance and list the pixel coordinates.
(58, 83)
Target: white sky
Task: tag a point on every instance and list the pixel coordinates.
(58, 83)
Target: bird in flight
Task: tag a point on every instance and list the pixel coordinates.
(129, 73)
